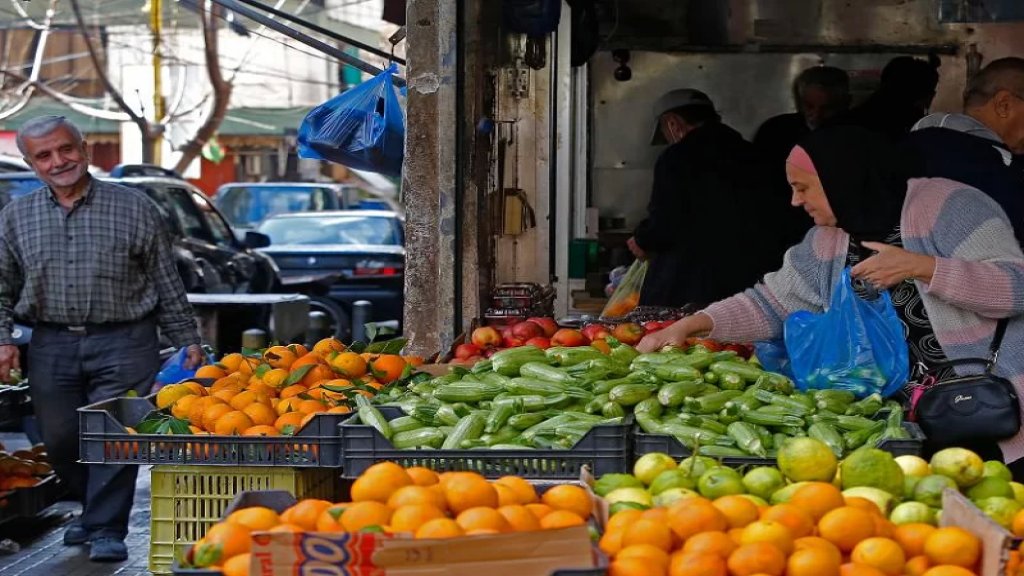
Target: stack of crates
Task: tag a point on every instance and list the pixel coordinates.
(188, 500)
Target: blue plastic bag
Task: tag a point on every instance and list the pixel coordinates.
(360, 128)
(773, 356)
(174, 370)
(856, 344)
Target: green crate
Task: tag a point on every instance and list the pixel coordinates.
(187, 500)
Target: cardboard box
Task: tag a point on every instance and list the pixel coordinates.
(997, 542)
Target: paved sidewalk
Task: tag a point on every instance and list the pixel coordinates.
(43, 552)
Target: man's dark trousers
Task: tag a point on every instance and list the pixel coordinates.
(70, 368)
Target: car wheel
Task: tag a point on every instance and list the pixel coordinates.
(338, 318)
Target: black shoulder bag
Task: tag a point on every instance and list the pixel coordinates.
(981, 407)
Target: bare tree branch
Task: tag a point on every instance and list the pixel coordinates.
(221, 88)
(149, 132)
(69, 101)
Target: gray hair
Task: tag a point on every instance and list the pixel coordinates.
(44, 126)
(1003, 74)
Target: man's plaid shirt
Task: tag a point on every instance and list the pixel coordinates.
(108, 259)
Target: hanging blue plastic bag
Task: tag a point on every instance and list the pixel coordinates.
(361, 128)
(174, 369)
(856, 344)
(773, 356)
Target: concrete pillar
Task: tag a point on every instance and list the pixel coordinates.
(429, 180)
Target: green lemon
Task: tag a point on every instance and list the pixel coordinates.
(763, 481)
(807, 459)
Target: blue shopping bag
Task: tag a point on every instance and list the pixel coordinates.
(856, 344)
(361, 128)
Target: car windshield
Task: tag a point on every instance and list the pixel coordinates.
(250, 205)
(355, 230)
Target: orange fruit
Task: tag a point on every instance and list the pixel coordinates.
(279, 357)
(261, 430)
(255, 518)
(227, 394)
(611, 541)
(288, 406)
(482, 518)
(710, 543)
(317, 375)
(305, 360)
(540, 510)
(918, 565)
(414, 361)
(525, 492)
(230, 362)
(691, 564)
(292, 391)
(413, 494)
(248, 366)
(183, 406)
(648, 532)
(387, 367)
(247, 397)
(846, 527)
(1017, 526)
(817, 498)
(410, 517)
(863, 504)
(561, 519)
(774, 533)
(519, 518)
(571, 498)
(261, 414)
(311, 406)
(954, 546)
(818, 543)
(325, 347)
(881, 553)
(738, 511)
(233, 539)
(290, 422)
(798, 521)
(633, 567)
(379, 482)
(349, 365)
(359, 515)
(651, 554)
(237, 565)
(233, 423)
(275, 378)
(286, 528)
(695, 515)
(439, 528)
(812, 562)
(196, 388)
(340, 410)
(212, 414)
(622, 520)
(851, 569)
(330, 519)
(466, 491)
(948, 571)
(656, 514)
(883, 527)
(506, 496)
(211, 371)
(757, 558)
(736, 535)
(305, 513)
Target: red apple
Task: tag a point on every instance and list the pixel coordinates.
(463, 351)
(742, 350)
(547, 324)
(486, 337)
(653, 326)
(628, 333)
(511, 341)
(568, 337)
(595, 332)
(527, 330)
(540, 342)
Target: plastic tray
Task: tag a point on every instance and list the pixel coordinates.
(187, 500)
(29, 502)
(604, 449)
(103, 439)
(279, 501)
(646, 443)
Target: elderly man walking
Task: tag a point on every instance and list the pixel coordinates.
(89, 262)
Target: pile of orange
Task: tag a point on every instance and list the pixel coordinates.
(817, 533)
(391, 499)
(280, 391)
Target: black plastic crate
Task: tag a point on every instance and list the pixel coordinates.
(604, 449)
(104, 439)
(13, 402)
(644, 443)
(29, 502)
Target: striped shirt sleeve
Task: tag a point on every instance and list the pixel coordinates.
(174, 314)
(10, 280)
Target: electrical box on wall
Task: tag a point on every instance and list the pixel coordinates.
(963, 11)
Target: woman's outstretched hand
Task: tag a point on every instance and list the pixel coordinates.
(677, 333)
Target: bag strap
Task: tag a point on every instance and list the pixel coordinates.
(990, 362)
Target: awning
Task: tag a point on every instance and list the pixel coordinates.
(42, 106)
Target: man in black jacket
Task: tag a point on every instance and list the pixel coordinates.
(979, 147)
(710, 230)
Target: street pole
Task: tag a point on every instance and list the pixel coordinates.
(156, 26)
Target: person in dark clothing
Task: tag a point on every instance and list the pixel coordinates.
(980, 147)
(820, 93)
(903, 97)
(710, 225)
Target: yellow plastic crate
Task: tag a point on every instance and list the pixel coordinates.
(187, 500)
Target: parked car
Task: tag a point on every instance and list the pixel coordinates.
(247, 205)
(366, 248)
(14, 184)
